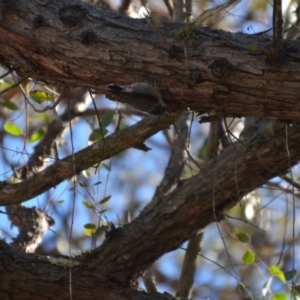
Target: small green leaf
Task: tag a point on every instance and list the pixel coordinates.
(89, 229)
(249, 257)
(13, 129)
(243, 237)
(289, 275)
(97, 135)
(107, 118)
(9, 105)
(59, 201)
(274, 270)
(106, 166)
(104, 200)
(102, 228)
(40, 96)
(88, 204)
(97, 183)
(37, 135)
(280, 296)
(202, 152)
(45, 117)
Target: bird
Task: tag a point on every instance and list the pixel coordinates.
(140, 95)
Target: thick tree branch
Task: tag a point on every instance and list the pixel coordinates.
(191, 206)
(76, 43)
(22, 278)
(201, 199)
(89, 156)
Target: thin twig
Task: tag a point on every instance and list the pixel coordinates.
(277, 24)
(194, 245)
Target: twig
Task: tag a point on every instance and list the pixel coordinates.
(277, 24)
(194, 245)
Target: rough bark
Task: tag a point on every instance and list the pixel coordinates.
(87, 157)
(207, 70)
(232, 74)
(194, 204)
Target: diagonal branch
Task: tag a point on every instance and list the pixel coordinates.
(89, 156)
(189, 207)
(194, 245)
(125, 251)
(176, 162)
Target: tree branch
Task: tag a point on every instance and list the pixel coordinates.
(226, 73)
(89, 156)
(125, 252)
(222, 72)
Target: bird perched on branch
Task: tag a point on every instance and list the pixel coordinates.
(140, 95)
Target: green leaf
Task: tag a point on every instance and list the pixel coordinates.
(9, 105)
(88, 204)
(274, 270)
(104, 200)
(102, 228)
(97, 134)
(289, 275)
(106, 166)
(202, 152)
(249, 257)
(243, 237)
(37, 135)
(45, 117)
(89, 229)
(280, 296)
(59, 201)
(13, 129)
(107, 118)
(40, 96)
(97, 183)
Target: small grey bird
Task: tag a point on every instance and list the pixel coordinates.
(140, 95)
